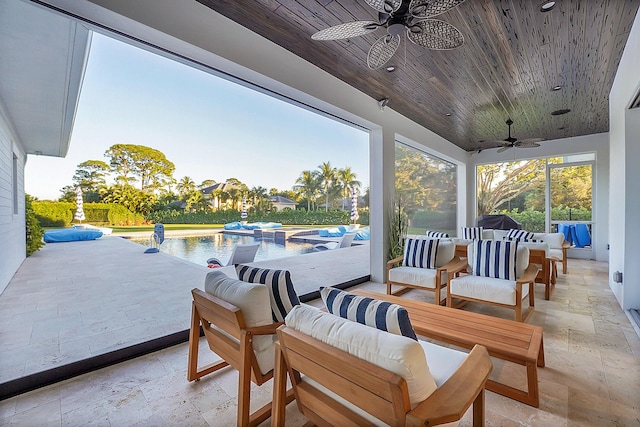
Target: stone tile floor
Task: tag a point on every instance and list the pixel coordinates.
(592, 377)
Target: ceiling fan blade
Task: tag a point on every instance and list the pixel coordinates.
(386, 6)
(382, 50)
(346, 31)
(504, 148)
(435, 34)
(431, 8)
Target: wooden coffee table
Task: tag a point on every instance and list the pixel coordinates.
(515, 342)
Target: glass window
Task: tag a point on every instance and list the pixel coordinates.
(426, 187)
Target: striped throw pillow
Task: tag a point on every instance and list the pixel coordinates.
(436, 235)
(472, 233)
(520, 235)
(420, 253)
(368, 311)
(521, 239)
(495, 258)
(282, 293)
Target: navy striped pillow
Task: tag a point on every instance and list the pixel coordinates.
(368, 311)
(495, 258)
(472, 233)
(520, 235)
(436, 235)
(281, 290)
(420, 253)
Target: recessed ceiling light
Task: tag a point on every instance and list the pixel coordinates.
(561, 128)
(391, 68)
(560, 112)
(448, 114)
(558, 87)
(547, 6)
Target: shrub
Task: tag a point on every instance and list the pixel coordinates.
(290, 217)
(60, 214)
(33, 229)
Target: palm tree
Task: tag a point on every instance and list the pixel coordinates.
(348, 182)
(327, 175)
(185, 187)
(308, 185)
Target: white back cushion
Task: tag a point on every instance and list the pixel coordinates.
(500, 234)
(488, 234)
(555, 240)
(400, 355)
(251, 298)
(446, 252)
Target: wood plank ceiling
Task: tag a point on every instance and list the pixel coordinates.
(513, 55)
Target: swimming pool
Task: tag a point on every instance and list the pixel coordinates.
(198, 249)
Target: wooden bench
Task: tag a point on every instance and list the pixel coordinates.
(508, 340)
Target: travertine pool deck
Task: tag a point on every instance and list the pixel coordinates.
(71, 301)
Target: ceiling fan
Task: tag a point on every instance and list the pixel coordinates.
(411, 17)
(511, 142)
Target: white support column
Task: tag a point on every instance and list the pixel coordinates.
(382, 176)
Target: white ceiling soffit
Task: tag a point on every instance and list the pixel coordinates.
(42, 61)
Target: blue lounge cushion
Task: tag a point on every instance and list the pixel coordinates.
(70, 235)
(233, 226)
(363, 234)
(381, 315)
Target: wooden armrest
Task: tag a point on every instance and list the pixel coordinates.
(451, 265)
(457, 266)
(565, 245)
(452, 399)
(394, 261)
(265, 329)
(529, 275)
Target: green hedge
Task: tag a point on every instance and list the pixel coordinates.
(34, 231)
(287, 217)
(433, 220)
(60, 214)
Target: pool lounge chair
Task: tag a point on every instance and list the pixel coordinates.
(344, 242)
(242, 253)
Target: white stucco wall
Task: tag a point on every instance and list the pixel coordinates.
(192, 30)
(624, 194)
(12, 226)
(598, 144)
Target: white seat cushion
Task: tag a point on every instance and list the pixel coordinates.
(487, 289)
(557, 253)
(253, 300)
(400, 355)
(442, 361)
(415, 276)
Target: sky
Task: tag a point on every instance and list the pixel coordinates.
(208, 127)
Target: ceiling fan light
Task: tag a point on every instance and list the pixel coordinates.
(547, 6)
(557, 87)
(395, 29)
(391, 68)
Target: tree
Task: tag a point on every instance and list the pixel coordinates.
(259, 198)
(327, 175)
(308, 185)
(139, 163)
(185, 187)
(500, 183)
(91, 175)
(206, 183)
(347, 180)
(130, 197)
(196, 201)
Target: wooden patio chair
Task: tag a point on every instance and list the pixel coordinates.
(334, 387)
(244, 340)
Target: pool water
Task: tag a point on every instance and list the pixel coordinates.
(198, 249)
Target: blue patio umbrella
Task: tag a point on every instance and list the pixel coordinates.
(354, 205)
(243, 214)
(79, 215)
